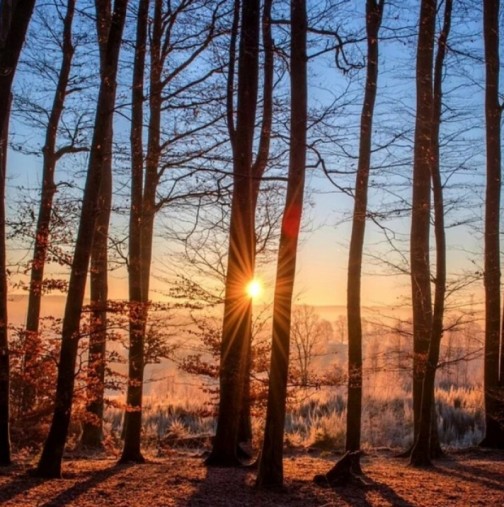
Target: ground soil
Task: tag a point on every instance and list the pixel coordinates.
(464, 478)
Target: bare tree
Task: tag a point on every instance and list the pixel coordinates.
(50, 461)
(180, 35)
(374, 13)
(427, 442)
(494, 383)
(241, 253)
(14, 19)
(92, 433)
(420, 217)
(137, 312)
(307, 334)
(51, 155)
(270, 473)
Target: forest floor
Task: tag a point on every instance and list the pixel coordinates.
(464, 478)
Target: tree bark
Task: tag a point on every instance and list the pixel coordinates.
(92, 431)
(374, 13)
(427, 435)
(137, 312)
(236, 333)
(494, 385)
(258, 168)
(420, 218)
(5, 448)
(14, 21)
(270, 473)
(52, 454)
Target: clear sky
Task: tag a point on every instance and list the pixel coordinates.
(323, 251)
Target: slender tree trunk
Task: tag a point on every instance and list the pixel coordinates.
(270, 473)
(52, 454)
(374, 12)
(50, 157)
(14, 21)
(432, 441)
(494, 388)
(132, 430)
(420, 219)
(258, 168)
(5, 450)
(92, 434)
(237, 308)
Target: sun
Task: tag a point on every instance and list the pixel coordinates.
(254, 289)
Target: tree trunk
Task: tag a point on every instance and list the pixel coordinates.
(92, 434)
(132, 429)
(5, 450)
(50, 460)
(14, 24)
(494, 389)
(236, 332)
(420, 218)
(32, 339)
(270, 473)
(133, 416)
(427, 434)
(374, 12)
(258, 168)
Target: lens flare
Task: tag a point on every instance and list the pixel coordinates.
(254, 289)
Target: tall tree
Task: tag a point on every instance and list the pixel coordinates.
(92, 433)
(51, 155)
(137, 312)
(426, 445)
(52, 454)
(241, 253)
(270, 473)
(420, 213)
(494, 381)
(177, 43)
(374, 13)
(258, 169)
(14, 19)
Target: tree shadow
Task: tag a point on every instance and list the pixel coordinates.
(22, 483)
(472, 473)
(80, 488)
(355, 493)
(236, 486)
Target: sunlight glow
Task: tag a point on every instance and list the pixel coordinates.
(254, 289)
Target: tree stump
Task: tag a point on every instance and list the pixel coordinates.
(346, 469)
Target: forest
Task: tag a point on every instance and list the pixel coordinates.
(251, 253)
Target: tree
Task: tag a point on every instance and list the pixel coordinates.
(241, 253)
(307, 332)
(50, 461)
(493, 381)
(270, 473)
(136, 311)
(420, 213)
(51, 155)
(427, 443)
(174, 50)
(14, 19)
(374, 13)
(92, 433)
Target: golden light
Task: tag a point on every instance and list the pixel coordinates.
(254, 289)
